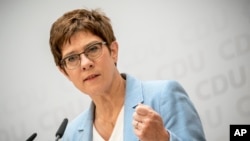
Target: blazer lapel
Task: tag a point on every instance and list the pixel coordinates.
(133, 97)
(85, 130)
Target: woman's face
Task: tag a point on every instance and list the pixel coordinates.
(92, 77)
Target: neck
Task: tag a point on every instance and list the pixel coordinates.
(108, 105)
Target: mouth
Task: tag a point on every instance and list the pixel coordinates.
(91, 77)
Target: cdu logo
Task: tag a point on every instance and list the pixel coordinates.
(239, 132)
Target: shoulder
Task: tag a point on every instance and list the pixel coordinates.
(153, 84)
(164, 88)
(155, 88)
(165, 84)
(165, 95)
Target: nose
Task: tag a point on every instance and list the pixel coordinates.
(86, 63)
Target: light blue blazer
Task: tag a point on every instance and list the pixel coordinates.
(166, 97)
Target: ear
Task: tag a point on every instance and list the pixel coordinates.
(63, 71)
(114, 51)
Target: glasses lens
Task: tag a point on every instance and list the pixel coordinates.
(94, 51)
(72, 61)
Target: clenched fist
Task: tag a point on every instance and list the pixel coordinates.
(148, 124)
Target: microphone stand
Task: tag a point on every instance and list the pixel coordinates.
(32, 137)
(57, 138)
(61, 129)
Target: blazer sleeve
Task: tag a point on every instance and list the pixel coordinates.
(179, 114)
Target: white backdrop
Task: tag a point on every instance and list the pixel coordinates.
(203, 45)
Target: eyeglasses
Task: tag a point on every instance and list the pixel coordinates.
(92, 52)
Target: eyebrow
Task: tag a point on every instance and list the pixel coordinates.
(84, 48)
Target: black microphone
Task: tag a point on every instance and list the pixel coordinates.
(61, 129)
(32, 137)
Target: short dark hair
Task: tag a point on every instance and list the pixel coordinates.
(66, 26)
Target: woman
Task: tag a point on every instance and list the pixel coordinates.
(123, 108)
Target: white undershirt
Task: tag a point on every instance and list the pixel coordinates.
(117, 134)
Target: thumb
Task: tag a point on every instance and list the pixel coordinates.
(142, 110)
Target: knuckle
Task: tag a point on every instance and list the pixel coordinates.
(134, 115)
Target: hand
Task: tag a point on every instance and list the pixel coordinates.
(148, 124)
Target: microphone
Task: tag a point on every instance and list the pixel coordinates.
(61, 129)
(32, 137)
